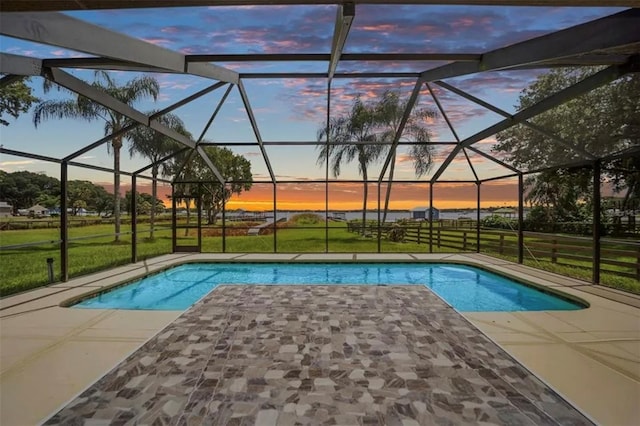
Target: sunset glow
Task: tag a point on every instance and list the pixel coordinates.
(348, 196)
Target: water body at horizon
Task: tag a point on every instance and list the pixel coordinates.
(392, 216)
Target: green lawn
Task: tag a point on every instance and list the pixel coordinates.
(26, 268)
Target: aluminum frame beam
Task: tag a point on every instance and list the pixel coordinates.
(315, 143)
(215, 113)
(151, 117)
(13, 152)
(66, 80)
(403, 122)
(596, 223)
(160, 161)
(443, 112)
(256, 130)
(596, 80)
(57, 29)
(117, 64)
(204, 131)
(255, 75)
(473, 170)
(46, 5)
(100, 63)
(492, 158)
(210, 164)
(617, 30)
(505, 114)
(20, 65)
(452, 129)
(344, 19)
(322, 57)
(78, 86)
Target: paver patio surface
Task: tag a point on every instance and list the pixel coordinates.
(312, 354)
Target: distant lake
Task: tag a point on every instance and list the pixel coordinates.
(392, 216)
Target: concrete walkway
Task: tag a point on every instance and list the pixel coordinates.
(49, 354)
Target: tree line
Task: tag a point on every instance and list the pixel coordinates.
(25, 189)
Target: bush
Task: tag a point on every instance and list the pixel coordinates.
(396, 233)
(498, 222)
(306, 219)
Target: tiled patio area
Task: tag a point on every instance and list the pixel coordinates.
(308, 355)
(373, 354)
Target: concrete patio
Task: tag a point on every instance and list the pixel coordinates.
(50, 354)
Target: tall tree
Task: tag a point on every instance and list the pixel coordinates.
(15, 98)
(80, 107)
(388, 115)
(234, 168)
(356, 136)
(154, 146)
(605, 120)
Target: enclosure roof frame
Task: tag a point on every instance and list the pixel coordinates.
(595, 42)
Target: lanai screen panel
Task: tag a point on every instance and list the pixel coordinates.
(239, 38)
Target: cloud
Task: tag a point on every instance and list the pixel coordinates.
(158, 41)
(17, 163)
(36, 52)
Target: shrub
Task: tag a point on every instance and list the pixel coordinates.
(397, 233)
(306, 219)
(498, 222)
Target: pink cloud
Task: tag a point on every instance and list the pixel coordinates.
(157, 41)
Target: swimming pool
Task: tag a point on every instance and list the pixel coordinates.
(464, 287)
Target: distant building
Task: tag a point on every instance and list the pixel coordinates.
(38, 211)
(5, 209)
(423, 213)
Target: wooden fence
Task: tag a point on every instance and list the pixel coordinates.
(576, 252)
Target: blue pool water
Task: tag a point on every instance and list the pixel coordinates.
(464, 287)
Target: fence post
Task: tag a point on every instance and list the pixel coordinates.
(419, 226)
(501, 243)
(464, 240)
(134, 220)
(438, 237)
(64, 223)
(554, 251)
(638, 264)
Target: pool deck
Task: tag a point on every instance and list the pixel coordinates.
(50, 354)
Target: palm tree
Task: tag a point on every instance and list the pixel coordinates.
(355, 133)
(389, 112)
(81, 107)
(154, 146)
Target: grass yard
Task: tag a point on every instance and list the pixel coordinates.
(94, 249)
(26, 268)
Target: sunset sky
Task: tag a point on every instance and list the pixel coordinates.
(294, 109)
